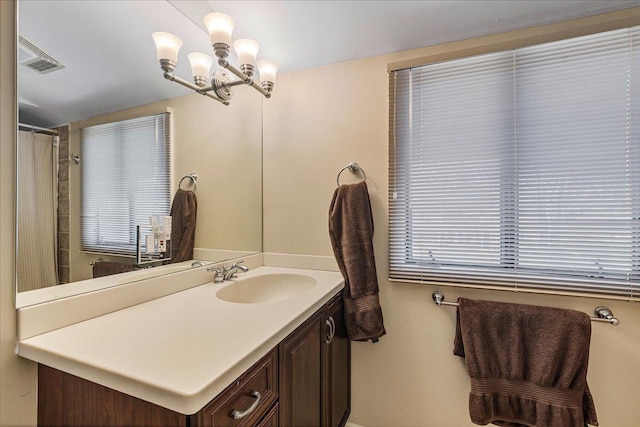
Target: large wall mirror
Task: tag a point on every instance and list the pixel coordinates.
(109, 72)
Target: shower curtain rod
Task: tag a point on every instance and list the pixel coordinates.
(37, 129)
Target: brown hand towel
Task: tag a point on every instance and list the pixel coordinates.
(351, 232)
(106, 268)
(183, 225)
(528, 364)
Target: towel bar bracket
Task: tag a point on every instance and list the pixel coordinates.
(438, 298)
(602, 314)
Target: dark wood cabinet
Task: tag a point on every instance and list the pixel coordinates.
(304, 381)
(336, 368)
(315, 377)
(300, 375)
(271, 420)
(65, 400)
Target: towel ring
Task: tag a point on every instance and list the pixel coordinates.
(353, 168)
(193, 177)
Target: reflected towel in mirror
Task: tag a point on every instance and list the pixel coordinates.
(184, 210)
(106, 268)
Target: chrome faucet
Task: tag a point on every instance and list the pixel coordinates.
(224, 273)
(233, 270)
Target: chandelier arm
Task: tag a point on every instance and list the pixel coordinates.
(212, 96)
(202, 91)
(236, 83)
(172, 77)
(248, 80)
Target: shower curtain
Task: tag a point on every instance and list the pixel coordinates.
(37, 195)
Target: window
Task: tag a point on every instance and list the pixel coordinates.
(126, 178)
(520, 169)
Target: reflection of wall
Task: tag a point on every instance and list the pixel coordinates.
(413, 365)
(223, 145)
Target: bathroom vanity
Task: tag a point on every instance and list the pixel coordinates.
(193, 358)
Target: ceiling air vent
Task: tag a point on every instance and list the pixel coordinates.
(35, 58)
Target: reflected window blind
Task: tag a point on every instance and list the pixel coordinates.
(520, 169)
(126, 178)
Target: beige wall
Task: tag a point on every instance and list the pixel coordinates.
(17, 376)
(320, 120)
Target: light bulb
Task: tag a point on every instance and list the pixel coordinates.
(247, 50)
(268, 70)
(167, 46)
(220, 27)
(200, 64)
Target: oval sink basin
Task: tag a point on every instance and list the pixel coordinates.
(266, 288)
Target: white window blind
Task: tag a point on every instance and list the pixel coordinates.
(520, 169)
(126, 178)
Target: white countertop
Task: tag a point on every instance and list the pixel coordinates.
(181, 350)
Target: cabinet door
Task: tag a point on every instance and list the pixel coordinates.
(336, 364)
(300, 373)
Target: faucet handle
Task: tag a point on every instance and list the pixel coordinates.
(218, 276)
(239, 266)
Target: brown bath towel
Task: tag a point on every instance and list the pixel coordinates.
(183, 225)
(528, 364)
(106, 268)
(351, 232)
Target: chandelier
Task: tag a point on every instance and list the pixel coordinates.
(219, 84)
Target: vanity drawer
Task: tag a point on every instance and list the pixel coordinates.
(250, 397)
(271, 420)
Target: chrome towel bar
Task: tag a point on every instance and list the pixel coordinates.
(602, 314)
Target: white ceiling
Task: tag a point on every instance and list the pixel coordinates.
(110, 60)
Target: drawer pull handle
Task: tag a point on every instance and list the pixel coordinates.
(332, 330)
(236, 415)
